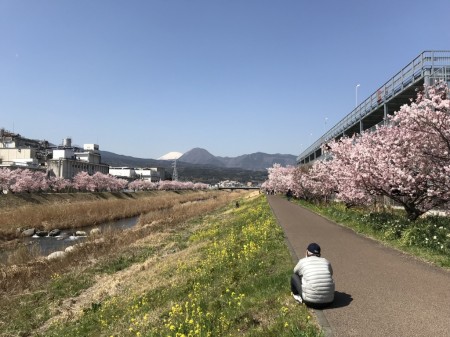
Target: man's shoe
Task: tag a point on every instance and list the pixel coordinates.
(298, 298)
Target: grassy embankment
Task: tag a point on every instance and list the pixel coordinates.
(222, 273)
(75, 210)
(427, 238)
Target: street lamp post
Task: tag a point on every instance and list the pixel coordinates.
(325, 129)
(356, 89)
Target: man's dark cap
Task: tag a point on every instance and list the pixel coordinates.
(314, 248)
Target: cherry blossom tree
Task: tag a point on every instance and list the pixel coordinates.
(98, 182)
(57, 184)
(180, 185)
(142, 185)
(200, 186)
(118, 184)
(22, 181)
(406, 160)
(279, 179)
(7, 178)
(83, 182)
(314, 182)
(28, 181)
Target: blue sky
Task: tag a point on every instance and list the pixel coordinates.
(144, 78)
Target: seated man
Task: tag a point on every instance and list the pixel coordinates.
(312, 281)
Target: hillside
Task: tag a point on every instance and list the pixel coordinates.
(256, 161)
(119, 160)
(259, 160)
(202, 157)
(198, 165)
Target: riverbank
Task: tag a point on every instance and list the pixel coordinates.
(14, 200)
(76, 210)
(223, 267)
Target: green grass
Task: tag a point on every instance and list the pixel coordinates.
(427, 238)
(25, 312)
(68, 285)
(39, 294)
(124, 260)
(24, 315)
(229, 276)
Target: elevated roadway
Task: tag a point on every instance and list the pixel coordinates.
(426, 69)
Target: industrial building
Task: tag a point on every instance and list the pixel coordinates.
(63, 161)
(20, 152)
(67, 161)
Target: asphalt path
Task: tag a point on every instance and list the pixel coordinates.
(379, 290)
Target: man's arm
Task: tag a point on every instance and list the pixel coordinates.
(298, 267)
(330, 268)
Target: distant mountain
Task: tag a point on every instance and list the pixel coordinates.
(119, 160)
(171, 156)
(201, 157)
(259, 161)
(256, 161)
(198, 165)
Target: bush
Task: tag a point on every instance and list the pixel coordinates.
(430, 232)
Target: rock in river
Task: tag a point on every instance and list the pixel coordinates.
(28, 232)
(54, 232)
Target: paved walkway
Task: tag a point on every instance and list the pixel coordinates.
(379, 291)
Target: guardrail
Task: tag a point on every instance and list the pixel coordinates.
(435, 64)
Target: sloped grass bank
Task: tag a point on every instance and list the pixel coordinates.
(427, 238)
(35, 293)
(224, 274)
(75, 210)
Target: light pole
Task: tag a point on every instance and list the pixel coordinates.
(356, 89)
(325, 131)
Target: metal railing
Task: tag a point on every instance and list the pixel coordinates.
(435, 64)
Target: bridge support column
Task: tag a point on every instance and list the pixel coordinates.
(386, 111)
(361, 126)
(427, 81)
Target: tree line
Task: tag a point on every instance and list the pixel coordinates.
(407, 159)
(25, 180)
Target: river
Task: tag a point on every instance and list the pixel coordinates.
(49, 244)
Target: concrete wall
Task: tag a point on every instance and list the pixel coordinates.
(11, 155)
(69, 168)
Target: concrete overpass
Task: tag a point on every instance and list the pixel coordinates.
(427, 68)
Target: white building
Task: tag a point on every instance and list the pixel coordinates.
(153, 174)
(20, 152)
(68, 161)
(229, 183)
(123, 172)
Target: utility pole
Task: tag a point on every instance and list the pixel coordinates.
(175, 172)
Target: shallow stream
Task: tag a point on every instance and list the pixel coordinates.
(49, 244)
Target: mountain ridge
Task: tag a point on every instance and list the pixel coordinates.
(202, 166)
(257, 161)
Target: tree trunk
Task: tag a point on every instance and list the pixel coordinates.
(412, 213)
